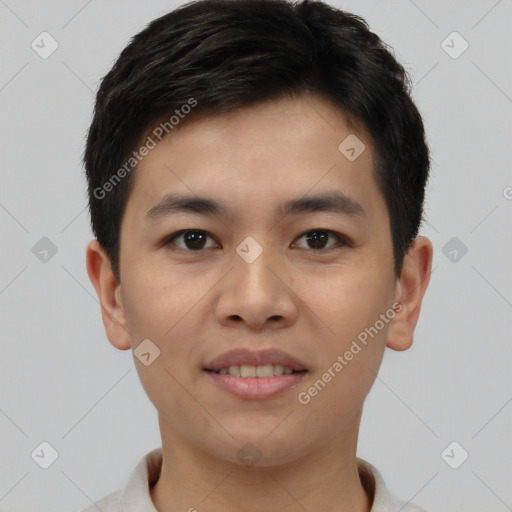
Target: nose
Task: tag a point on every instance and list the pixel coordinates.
(257, 295)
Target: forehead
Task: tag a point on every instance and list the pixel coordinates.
(258, 155)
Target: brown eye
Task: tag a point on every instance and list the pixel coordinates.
(318, 239)
(193, 240)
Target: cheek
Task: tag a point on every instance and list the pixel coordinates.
(157, 302)
(161, 307)
(346, 301)
(350, 308)
(164, 307)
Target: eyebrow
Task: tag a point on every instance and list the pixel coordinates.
(334, 202)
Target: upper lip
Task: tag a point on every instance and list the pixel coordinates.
(237, 357)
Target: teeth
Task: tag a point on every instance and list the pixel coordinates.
(247, 371)
(278, 370)
(262, 371)
(234, 371)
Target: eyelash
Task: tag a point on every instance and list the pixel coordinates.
(342, 240)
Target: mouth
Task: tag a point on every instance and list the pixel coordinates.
(255, 375)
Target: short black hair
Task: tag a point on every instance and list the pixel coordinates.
(214, 56)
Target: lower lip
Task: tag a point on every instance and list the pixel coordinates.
(255, 387)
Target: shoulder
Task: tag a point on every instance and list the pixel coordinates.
(383, 499)
(109, 503)
(408, 507)
(135, 494)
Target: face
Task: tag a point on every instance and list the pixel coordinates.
(258, 279)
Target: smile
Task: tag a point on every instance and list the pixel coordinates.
(260, 371)
(255, 375)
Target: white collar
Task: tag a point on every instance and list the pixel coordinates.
(135, 497)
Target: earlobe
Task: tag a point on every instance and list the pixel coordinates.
(410, 289)
(109, 295)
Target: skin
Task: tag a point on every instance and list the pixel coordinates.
(197, 305)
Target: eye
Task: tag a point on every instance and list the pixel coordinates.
(193, 239)
(320, 237)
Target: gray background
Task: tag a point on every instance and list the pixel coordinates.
(62, 382)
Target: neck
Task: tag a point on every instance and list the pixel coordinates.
(328, 479)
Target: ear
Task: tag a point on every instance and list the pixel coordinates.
(409, 292)
(109, 294)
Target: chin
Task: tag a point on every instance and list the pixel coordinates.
(259, 451)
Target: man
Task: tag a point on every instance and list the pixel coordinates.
(256, 175)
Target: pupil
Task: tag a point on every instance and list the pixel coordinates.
(316, 235)
(194, 237)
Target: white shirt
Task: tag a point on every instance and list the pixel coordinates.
(135, 496)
